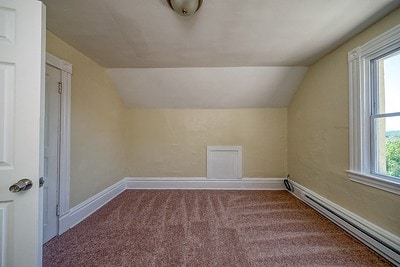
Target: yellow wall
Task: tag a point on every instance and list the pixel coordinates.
(97, 145)
(172, 142)
(157, 142)
(318, 129)
(161, 142)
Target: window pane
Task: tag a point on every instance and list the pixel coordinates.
(388, 146)
(389, 84)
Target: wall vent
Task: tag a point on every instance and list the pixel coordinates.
(224, 162)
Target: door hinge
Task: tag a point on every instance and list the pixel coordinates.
(41, 182)
(58, 210)
(60, 88)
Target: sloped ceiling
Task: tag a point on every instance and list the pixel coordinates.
(223, 87)
(127, 36)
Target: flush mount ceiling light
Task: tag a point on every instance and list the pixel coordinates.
(185, 7)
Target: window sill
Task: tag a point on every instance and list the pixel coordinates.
(389, 185)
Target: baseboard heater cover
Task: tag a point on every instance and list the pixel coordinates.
(384, 248)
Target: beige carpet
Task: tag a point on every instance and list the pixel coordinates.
(207, 228)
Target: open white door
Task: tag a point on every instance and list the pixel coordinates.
(22, 31)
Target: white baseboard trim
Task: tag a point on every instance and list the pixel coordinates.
(378, 239)
(204, 183)
(86, 208)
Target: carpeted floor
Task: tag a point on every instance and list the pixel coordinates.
(207, 228)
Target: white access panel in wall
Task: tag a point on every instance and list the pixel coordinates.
(224, 162)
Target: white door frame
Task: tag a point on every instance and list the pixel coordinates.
(65, 138)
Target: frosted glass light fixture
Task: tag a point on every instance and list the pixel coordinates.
(185, 7)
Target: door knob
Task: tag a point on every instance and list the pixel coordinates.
(21, 185)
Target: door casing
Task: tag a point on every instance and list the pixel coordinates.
(65, 139)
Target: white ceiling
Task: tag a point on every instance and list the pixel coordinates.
(139, 34)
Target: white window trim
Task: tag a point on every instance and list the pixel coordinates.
(359, 110)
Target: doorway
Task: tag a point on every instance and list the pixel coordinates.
(56, 146)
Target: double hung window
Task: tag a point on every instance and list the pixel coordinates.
(374, 108)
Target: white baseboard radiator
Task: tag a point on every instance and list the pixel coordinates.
(378, 239)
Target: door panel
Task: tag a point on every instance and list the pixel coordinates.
(7, 90)
(7, 24)
(5, 226)
(21, 86)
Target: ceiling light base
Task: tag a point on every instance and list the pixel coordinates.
(185, 7)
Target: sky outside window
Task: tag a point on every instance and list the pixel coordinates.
(392, 89)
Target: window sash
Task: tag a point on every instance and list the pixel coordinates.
(375, 114)
(386, 115)
(374, 144)
(374, 75)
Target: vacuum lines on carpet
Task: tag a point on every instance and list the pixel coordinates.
(207, 228)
